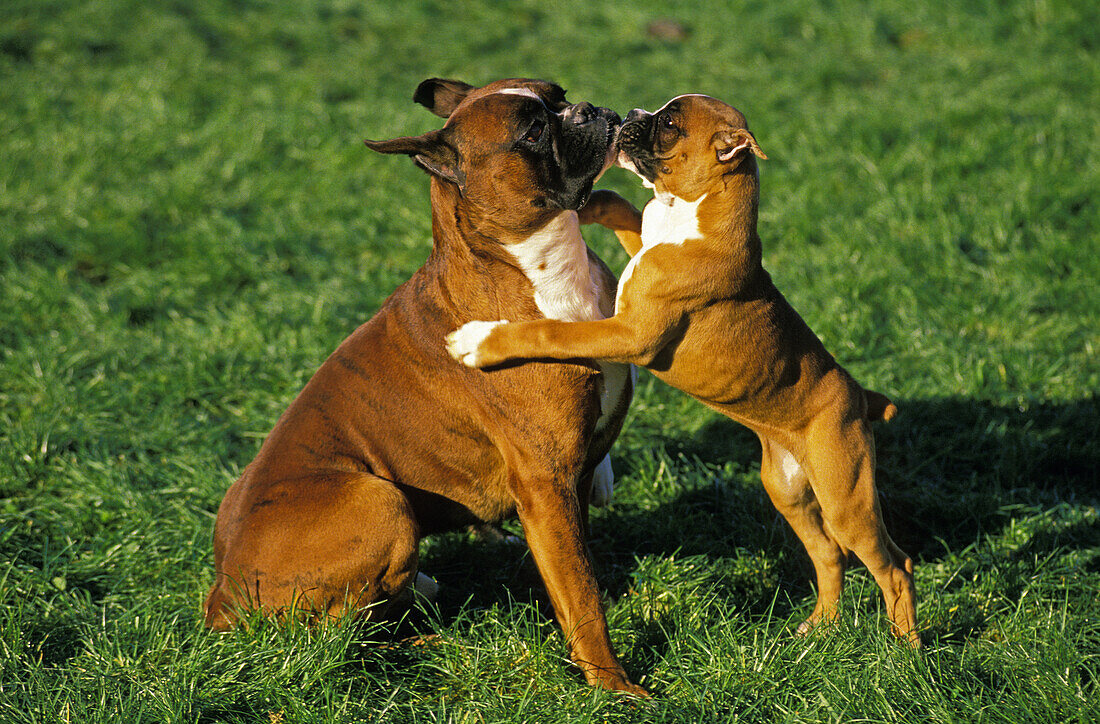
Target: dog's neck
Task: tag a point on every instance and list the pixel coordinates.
(726, 216)
(555, 260)
(736, 209)
(549, 266)
(444, 198)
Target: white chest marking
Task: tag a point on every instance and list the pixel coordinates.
(555, 259)
(667, 219)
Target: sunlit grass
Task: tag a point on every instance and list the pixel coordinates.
(189, 225)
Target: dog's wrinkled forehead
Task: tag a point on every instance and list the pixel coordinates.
(508, 101)
(489, 120)
(504, 109)
(551, 94)
(513, 90)
(703, 110)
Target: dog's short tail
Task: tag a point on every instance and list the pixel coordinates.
(879, 406)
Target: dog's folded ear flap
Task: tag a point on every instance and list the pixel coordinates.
(430, 152)
(441, 96)
(729, 144)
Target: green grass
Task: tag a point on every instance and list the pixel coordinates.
(189, 224)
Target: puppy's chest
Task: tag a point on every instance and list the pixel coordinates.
(670, 220)
(665, 220)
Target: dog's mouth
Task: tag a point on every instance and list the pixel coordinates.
(632, 152)
(585, 149)
(614, 124)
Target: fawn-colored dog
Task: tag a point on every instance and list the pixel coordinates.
(391, 440)
(696, 307)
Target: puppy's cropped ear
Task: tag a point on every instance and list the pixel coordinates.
(430, 152)
(441, 96)
(730, 144)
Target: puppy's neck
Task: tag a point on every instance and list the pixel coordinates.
(735, 214)
(669, 219)
(726, 213)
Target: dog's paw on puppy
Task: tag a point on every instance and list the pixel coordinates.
(463, 344)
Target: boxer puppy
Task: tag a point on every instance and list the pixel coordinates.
(697, 308)
(391, 440)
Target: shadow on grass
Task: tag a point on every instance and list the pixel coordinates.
(951, 472)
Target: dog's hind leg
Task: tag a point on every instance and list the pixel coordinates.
(789, 488)
(325, 547)
(840, 461)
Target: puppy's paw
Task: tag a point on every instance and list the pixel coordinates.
(463, 344)
(608, 209)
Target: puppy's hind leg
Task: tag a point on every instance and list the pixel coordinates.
(789, 488)
(841, 460)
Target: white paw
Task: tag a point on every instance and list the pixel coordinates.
(603, 484)
(425, 587)
(463, 343)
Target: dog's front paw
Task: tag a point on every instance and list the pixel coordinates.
(464, 343)
(603, 484)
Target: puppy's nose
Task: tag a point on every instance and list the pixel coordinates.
(579, 114)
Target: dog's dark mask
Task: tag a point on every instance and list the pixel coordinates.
(527, 137)
(646, 137)
(582, 142)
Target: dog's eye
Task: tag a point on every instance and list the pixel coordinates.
(534, 133)
(666, 122)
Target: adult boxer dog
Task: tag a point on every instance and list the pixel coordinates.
(391, 440)
(696, 307)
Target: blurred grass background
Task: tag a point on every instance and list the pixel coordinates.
(189, 224)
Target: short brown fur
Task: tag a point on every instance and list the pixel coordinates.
(704, 316)
(391, 440)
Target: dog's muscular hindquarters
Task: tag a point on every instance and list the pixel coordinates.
(391, 440)
(697, 308)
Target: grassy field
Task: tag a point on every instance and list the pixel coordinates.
(189, 224)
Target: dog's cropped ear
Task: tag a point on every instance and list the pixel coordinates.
(729, 144)
(441, 96)
(430, 152)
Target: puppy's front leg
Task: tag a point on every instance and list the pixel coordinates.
(612, 211)
(484, 344)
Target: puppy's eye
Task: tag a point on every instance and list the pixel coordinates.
(534, 133)
(666, 122)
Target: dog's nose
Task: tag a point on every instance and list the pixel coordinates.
(635, 115)
(579, 114)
